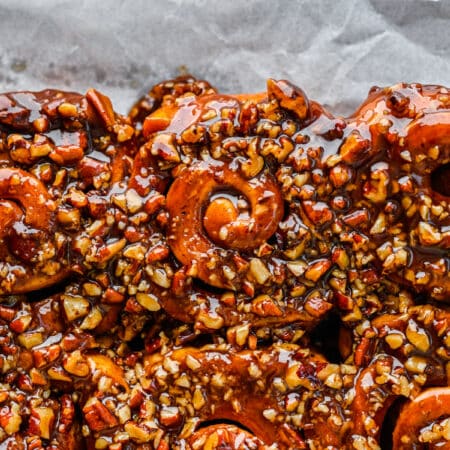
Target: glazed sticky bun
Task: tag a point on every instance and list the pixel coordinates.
(220, 271)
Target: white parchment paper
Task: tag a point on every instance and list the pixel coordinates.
(334, 50)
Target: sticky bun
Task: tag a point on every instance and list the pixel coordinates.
(225, 271)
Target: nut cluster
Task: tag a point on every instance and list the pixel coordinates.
(224, 271)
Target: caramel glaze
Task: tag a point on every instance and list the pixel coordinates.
(356, 199)
(201, 241)
(431, 405)
(166, 93)
(321, 163)
(59, 153)
(227, 436)
(44, 350)
(408, 345)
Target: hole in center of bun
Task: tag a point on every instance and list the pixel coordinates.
(326, 338)
(389, 421)
(440, 180)
(45, 293)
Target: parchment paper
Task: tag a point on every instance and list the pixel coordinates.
(334, 50)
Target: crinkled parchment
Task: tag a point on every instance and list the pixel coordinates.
(334, 50)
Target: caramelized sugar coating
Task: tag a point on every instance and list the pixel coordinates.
(59, 153)
(424, 421)
(225, 436)
(247, 221)
(166, 93)
(285, 396)
(57, 379)
(185, 397)
(401, 356)
(269, 210)
(31, 420)
(41, 366)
